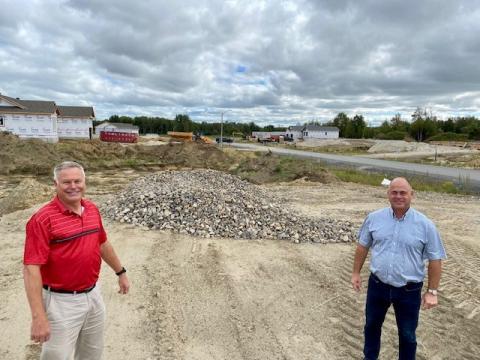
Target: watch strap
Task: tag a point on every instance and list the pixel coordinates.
(434, 292)
(123, 271)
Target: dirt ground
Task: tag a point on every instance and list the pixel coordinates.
(202, 299)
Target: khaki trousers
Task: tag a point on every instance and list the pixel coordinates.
(76, 324)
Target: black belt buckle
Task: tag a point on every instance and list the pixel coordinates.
(63, 291)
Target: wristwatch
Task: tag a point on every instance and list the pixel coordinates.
(123, 271)
(434, 292)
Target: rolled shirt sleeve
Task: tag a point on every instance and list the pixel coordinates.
(434, 249)
(364, 235)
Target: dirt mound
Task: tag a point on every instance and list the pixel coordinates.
(38, 158)
(190, 154)
(25, 156)
(393, 146)
(28, 193)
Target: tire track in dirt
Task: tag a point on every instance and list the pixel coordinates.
(451, 324)
(343, 316)
(458, 315)
(196, 312)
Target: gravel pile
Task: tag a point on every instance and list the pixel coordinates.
(210, 203)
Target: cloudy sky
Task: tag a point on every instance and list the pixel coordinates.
(271, 62)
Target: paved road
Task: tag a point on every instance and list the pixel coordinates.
(456, 175)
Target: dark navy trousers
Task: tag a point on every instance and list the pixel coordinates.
(406, 301)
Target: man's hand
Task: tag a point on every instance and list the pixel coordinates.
(40, 330)
(356, 282)
(124, 284)
(429, 301)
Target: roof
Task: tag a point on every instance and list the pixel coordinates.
(296, 128)
(76, 111)
(321, 128)
(27, 106)
(118, 125)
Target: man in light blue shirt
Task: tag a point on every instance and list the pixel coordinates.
(402, 240)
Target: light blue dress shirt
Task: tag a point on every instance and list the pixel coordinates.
(400, 247)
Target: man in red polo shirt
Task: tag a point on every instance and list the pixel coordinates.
(64, 247)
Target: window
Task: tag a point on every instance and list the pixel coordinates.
(2, 121)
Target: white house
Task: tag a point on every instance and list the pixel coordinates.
(29, 118)
(320, 132)
(75, 122)
(294, 132)
(44, 119)
(117, 127)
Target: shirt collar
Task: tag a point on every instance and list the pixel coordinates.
(63, 209)
(405, 216)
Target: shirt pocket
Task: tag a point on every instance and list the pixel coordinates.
(414, 240)
(381, 235)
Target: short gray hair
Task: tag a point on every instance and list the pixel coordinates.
(66, 165)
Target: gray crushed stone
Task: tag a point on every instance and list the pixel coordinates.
(209, 203)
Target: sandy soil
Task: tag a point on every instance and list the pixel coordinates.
(205, 299)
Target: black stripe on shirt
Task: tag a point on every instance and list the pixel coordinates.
(73, 237)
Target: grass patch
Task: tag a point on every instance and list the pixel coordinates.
(329, 149)
(417, 183)
(358, 177)
(269, 168)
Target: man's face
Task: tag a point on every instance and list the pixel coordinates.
(400, 195)
(70, 185)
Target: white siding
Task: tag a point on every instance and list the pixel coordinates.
(324, 134)
(116, 129)
(74, 128)
(113, 128)
(294, 134)
(31, 126)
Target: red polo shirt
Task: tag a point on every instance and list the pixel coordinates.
(66, 245)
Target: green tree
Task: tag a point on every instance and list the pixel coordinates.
(341, 122)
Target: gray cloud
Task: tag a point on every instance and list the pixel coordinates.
(267, 61)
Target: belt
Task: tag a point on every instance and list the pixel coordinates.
(408, 283)
(63, 291)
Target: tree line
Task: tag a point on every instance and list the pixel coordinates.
(422, 126)
(183, 123)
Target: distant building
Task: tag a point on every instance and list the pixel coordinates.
(29, 118)
(262, 135)
(75, 122)
(117, 127)
(294, 132)
(44, 119)
(312, 132)
(320, 132)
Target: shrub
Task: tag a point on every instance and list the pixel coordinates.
(392, 135)
(449, 136)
